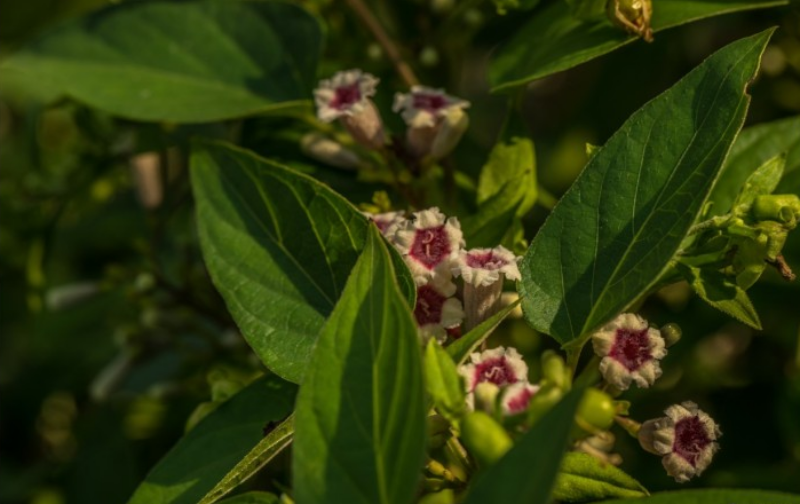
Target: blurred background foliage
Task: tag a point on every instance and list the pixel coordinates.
(112, 334)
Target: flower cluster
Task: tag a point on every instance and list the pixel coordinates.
(435, 120)
(432, 246)
(498, 371)
(630, 352)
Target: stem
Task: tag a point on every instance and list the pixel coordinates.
(460, 455)
(372, 24)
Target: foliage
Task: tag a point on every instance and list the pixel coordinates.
(227, 243)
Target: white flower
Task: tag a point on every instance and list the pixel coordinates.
(346, 96)
(347, 93)
(516, 397)
(686, 439)
(631, 351)
(500, 366)
(481, 267)
(388, 223)
(429, 243)
(436, 309)
(426, 107)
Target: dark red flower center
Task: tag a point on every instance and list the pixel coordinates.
(346, 96)
(496, 370)
(431, 246)
(519, 402)
(691, 439)
(631, 348)
(486, 260)
(428, 309)
(429, 102)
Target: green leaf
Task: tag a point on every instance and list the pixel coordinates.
(460, 349)
(506, 191)
(716, 496)
(614, 232)
(554, 40)
(584, 478)
(538, 451)
(722, 293)
(754, 147)
(279, 246)
(253, 498)
(180, 61)
(587, 10)
(443, 382)
(273, 443)
(206, 454)
(761, 182)
(360, 428)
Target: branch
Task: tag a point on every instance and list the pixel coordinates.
(372, 24)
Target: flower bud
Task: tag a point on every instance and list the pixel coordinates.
(486, 397)
(671, 333)
(327, 151)
(485, 439)
(783, 208)
(554, 369)
(632, 16)
(596, 411)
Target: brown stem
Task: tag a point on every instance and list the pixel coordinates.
(372, 24)
(783, 268)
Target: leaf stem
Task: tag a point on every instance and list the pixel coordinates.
(371, 23)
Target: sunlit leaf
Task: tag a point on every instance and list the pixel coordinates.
(615, 231)
(360, 428)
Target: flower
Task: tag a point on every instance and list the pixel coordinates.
(630, 350)
(483, 271)
(436, 309)
(347, 93)
(346, 96)
(426, 107)
(686, 438)
(429, 243)
(483, 266)
(517, 396)
(436, 121)
(500, 366)
(387, 222)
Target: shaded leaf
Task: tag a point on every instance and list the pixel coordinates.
(538, 451)
(279, 246)
(722, 293)
(615, 231)
(273, 443)
(360, 428)
(762, 181)
(583, 478)
(715, 497)
(206, 454)
(460, 349)
(754, 147)
(152, 61)
(253, 498)
(554, 40)
(506, 190)
(443, 382)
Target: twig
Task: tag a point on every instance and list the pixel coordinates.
(372, 24)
